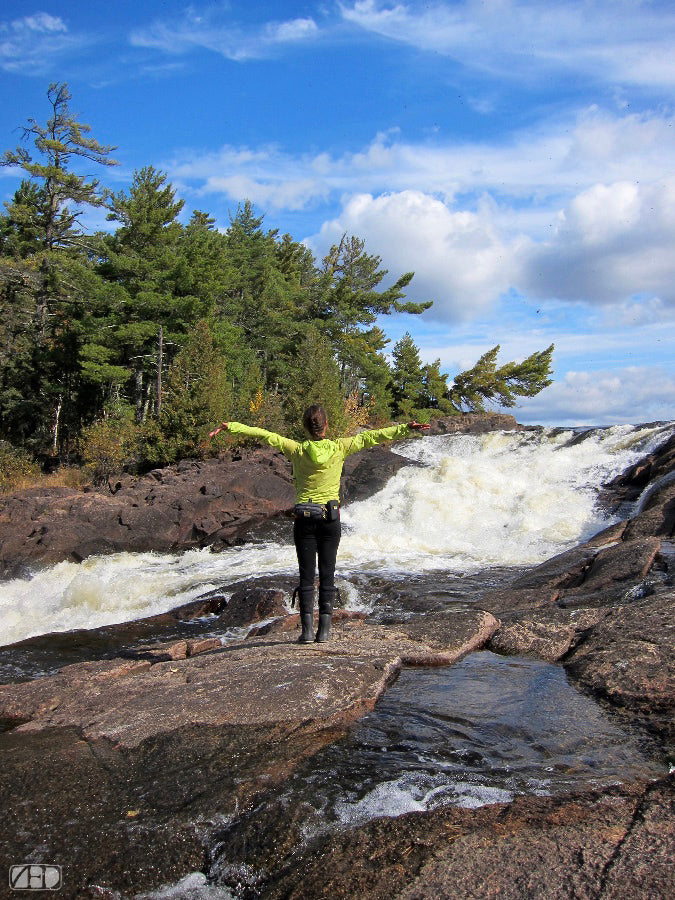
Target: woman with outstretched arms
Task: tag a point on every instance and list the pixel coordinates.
(317, 466)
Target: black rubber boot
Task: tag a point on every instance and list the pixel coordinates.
(326, 599)
(306, 600)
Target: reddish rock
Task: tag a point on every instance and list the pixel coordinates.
(215, 502)
(657, 515)
(650, 469)
(263, 680)
(449, 636)
(629, 659)
(474, 423)
(115, 761)
(612, 572)
(617, 843)
(548, 634)
(252, 605)
(605, 609)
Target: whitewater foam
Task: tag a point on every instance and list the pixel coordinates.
(469, 503)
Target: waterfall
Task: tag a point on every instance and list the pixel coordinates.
(466, 503)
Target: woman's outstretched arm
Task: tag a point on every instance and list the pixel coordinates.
(367, 439)
(286, 445)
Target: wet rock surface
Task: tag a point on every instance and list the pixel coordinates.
(145, 761)
(118, 767)
(617, 843)
(265, 679)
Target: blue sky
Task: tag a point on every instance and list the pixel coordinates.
(519, 157)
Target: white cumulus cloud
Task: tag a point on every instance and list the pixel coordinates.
(580, 209)
(461, 261)
(612, 242)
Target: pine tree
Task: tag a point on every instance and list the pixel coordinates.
(347, 302)
(196, 394)
(43, 234)
(262, 300)
(407, 378)
(58, 143)
(314, 377)
(486, 383)
(141, 261)
(435, 389)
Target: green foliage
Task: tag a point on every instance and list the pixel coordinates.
(435, 390)
(487, 383)
(109, 444)
(45, 209)
(346, 303)
(138, 340)
(407, 378)
(196, 395)
(315, 378)
(45, 283)
(266, 410)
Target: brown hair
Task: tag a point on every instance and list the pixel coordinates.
(315, 420)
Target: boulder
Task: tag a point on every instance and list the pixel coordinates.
(650, 469)
(474, 423)
(612, 573)
(548, 634)
(129, 701)
(246, 606)
(628, 658)
(366, 473)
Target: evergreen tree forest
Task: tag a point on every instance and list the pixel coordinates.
(122, 348)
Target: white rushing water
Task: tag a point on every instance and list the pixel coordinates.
(500, 499)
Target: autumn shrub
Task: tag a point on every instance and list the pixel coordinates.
(108, 445)
(18, 469)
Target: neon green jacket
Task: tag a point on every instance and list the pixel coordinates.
(317, 465)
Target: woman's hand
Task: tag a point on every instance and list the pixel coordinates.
(222, 427)
(417, 426)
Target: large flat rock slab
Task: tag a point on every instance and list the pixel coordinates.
(268, 679)
(117, 769)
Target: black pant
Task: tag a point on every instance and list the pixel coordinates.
(317, 538)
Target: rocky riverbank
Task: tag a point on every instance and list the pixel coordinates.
(196, 503)
(135, 769)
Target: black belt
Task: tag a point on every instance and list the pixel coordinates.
(327, 511)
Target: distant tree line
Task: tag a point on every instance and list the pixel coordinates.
(122, 347)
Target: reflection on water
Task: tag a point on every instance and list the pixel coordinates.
(477, 732)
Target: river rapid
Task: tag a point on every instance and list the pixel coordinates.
(467, 505)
